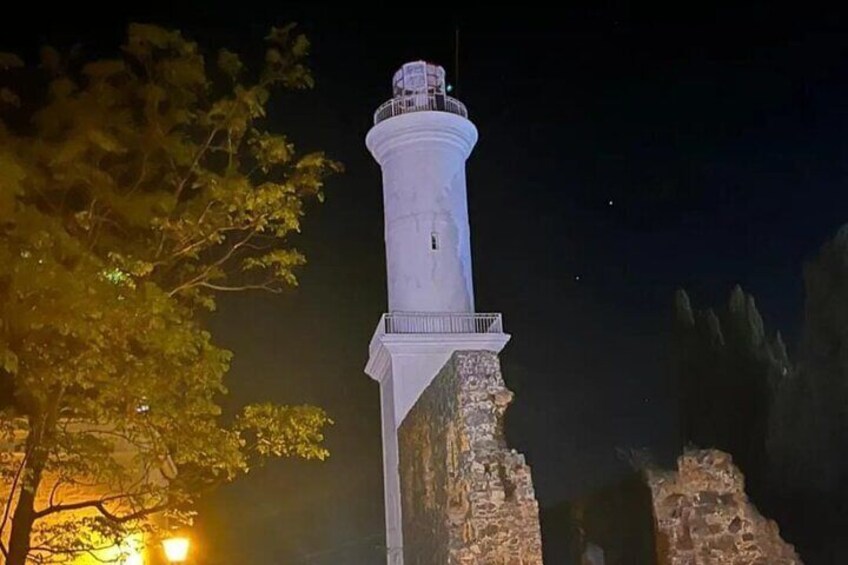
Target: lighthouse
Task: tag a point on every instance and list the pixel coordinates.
(421, 139)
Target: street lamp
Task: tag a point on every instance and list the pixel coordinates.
(176, 549)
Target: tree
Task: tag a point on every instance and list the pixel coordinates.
(809, 429)
(133, 191)
(786, 423)
(728, 372)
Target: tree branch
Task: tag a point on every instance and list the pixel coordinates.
(92, 551)
(12, 490)
(141, 173)
(53, 491)
(195, 161)
(264, 286)
(100, 506)
(200, 280)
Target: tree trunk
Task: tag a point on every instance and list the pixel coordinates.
(22, 521)
(24, 516)
(38, 449)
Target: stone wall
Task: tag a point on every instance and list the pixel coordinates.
(703, 516)
(467, 498)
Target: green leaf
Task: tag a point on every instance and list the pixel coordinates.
(7, 96)
(146, 36)
(130, 200)
(10, 61)
(229, 63)
(300, 46)
(104, 69)
(51, 60)
(8, 361)
(280, 35)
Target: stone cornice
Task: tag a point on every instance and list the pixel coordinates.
(417, 127)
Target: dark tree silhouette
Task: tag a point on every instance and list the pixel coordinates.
(728, 369)
(785, 424)
(809, 428)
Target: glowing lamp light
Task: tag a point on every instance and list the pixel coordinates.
(176, 549)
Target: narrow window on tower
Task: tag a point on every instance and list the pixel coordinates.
(434, 241)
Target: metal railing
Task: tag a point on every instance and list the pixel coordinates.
(442, 323)
(419, 103)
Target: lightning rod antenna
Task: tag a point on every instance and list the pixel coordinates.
(456, 59)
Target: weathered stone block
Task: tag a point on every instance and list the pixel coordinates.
(703, 516)
(467, 498)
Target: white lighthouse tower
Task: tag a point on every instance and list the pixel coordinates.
(421, 138)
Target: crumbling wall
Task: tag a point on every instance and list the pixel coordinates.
(467, 498)
(703, 516)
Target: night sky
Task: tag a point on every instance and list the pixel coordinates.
(623, 153)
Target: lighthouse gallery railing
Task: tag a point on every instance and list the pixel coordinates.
(419, 103)
(441, 323)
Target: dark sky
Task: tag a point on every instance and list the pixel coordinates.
(719, 136)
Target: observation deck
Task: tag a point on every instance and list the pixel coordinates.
(419, 87)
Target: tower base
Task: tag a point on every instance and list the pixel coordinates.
(406, 353)
(466, 497)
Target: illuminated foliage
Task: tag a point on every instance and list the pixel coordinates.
(138, 189)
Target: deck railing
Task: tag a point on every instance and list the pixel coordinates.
(442, 323)
(419, 103)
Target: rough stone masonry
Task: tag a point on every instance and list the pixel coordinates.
(703, 516)
(467, 498)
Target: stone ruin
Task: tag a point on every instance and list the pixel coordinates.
(467, 498)
(703, 516)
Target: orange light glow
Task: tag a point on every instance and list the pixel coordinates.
(176, 549)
